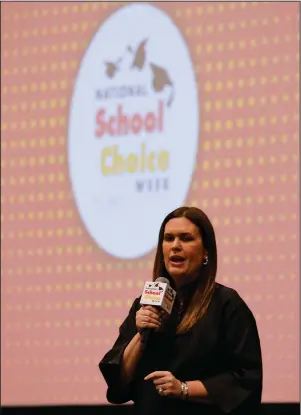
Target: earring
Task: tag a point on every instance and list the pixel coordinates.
(205, 262)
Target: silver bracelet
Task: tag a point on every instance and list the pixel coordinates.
(184, 390)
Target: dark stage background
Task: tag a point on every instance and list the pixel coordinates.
(266, 409)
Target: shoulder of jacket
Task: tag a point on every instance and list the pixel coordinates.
(229, 297)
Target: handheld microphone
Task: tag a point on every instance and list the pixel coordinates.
(157, 294)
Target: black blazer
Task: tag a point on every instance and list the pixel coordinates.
(222, 350)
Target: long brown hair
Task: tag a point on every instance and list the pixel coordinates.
(206, 280)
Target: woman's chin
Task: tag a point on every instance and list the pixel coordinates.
(177, 273)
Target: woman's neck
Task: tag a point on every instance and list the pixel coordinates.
(185, 291)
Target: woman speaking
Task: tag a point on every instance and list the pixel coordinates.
(205, 358)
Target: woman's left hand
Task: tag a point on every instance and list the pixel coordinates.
(165, 383)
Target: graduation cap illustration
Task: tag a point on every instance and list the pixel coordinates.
(161, 80)
(139, 55)
(159, 76)
(112, 68)
(158, 286)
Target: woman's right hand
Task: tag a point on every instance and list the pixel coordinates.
(148, 317)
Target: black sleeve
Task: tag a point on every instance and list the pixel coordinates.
(240, 384)
(110, 365)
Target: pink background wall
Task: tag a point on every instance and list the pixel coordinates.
(62, 298)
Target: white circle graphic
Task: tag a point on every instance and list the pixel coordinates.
(133, 129)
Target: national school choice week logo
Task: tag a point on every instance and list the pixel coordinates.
(133, 129)
(158, 294)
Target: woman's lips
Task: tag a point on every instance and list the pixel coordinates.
(177, 264)
(177, 261)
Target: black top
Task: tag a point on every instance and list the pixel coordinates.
(222, 350)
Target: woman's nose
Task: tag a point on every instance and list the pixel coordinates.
(176, 244)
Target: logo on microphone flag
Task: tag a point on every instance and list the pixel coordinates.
(158, 294)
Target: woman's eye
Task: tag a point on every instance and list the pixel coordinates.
(168, 238)
(187, 238)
